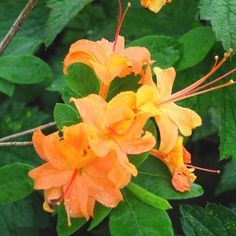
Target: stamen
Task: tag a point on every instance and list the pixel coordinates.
(120, 21)
(203, 169)
(67, 187)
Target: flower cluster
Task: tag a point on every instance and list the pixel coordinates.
(88, 161)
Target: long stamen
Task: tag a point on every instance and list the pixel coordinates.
(118, 25)
(67, 187)
(203, 169)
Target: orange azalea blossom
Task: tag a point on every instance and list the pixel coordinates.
(157, 99)
(176, 161)
(118, 127)
(74, 174)
(154, 5)
(106, 61)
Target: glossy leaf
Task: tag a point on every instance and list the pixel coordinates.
(156, 178)
(100, 213)
(82, 80)
(147, 197)
(133, 217)
(165, 50)
(62, 223)
(213, 220)
(25, 69)
(61, 13)
(196, 44)
(65, 115)
(14, 182)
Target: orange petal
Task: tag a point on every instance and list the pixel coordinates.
(153, 5)
(168, 133)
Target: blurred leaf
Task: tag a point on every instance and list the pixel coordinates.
(25, 69)
(212, 221)
(196, 44)
(14, 182)
(222, 15)
(156, 178)
(228, 178)
(82, 80)
(65, 115)
(34, 25)
(133, 217)
(57, 85)
(62, 223)
(100, 213)
(147, 197)
(22, 45)
(165, 50)
(7, 87)
(61, 13)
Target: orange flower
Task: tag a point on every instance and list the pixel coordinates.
(107, 62)
(175, 161)
(154, 99)
(154, 5)
(118, 127)
(74, 174)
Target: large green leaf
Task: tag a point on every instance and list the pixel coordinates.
(7, 87)
(14, 182)
(228, 178)
(165, 50)
(196, 44)
(147, 197)
(82, 80)
(100, 213)
(133, 217)
(212, 221)
(62, 223)
(222, 15)
(65, 115)
(156, 178)
(61, 13)
(24, 69)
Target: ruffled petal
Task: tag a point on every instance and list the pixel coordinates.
(153, 5)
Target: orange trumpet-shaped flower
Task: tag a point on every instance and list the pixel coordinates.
(169, 117)
(175, 161)
(118, 127)
(154, 5)
(106, 61)
(74, 174)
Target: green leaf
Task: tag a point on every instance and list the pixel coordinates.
(6, 87)
(212, 221)
(25, 69)
(57, 85)
(228, 178)
(165, 50)
(222, 15)
(14, 182)
(65, 115)
(196, 44)
(100, 213)
(133, 217)
(129, 83)
(156, 178)
(61, 13)
(147, 197)
(82, 80)
(22, 45)
(62, 223)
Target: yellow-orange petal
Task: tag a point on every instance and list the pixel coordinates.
(165, 80)
(153, 5)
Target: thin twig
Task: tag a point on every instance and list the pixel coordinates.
(15, 27)
(23, 133)
(7, 144)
